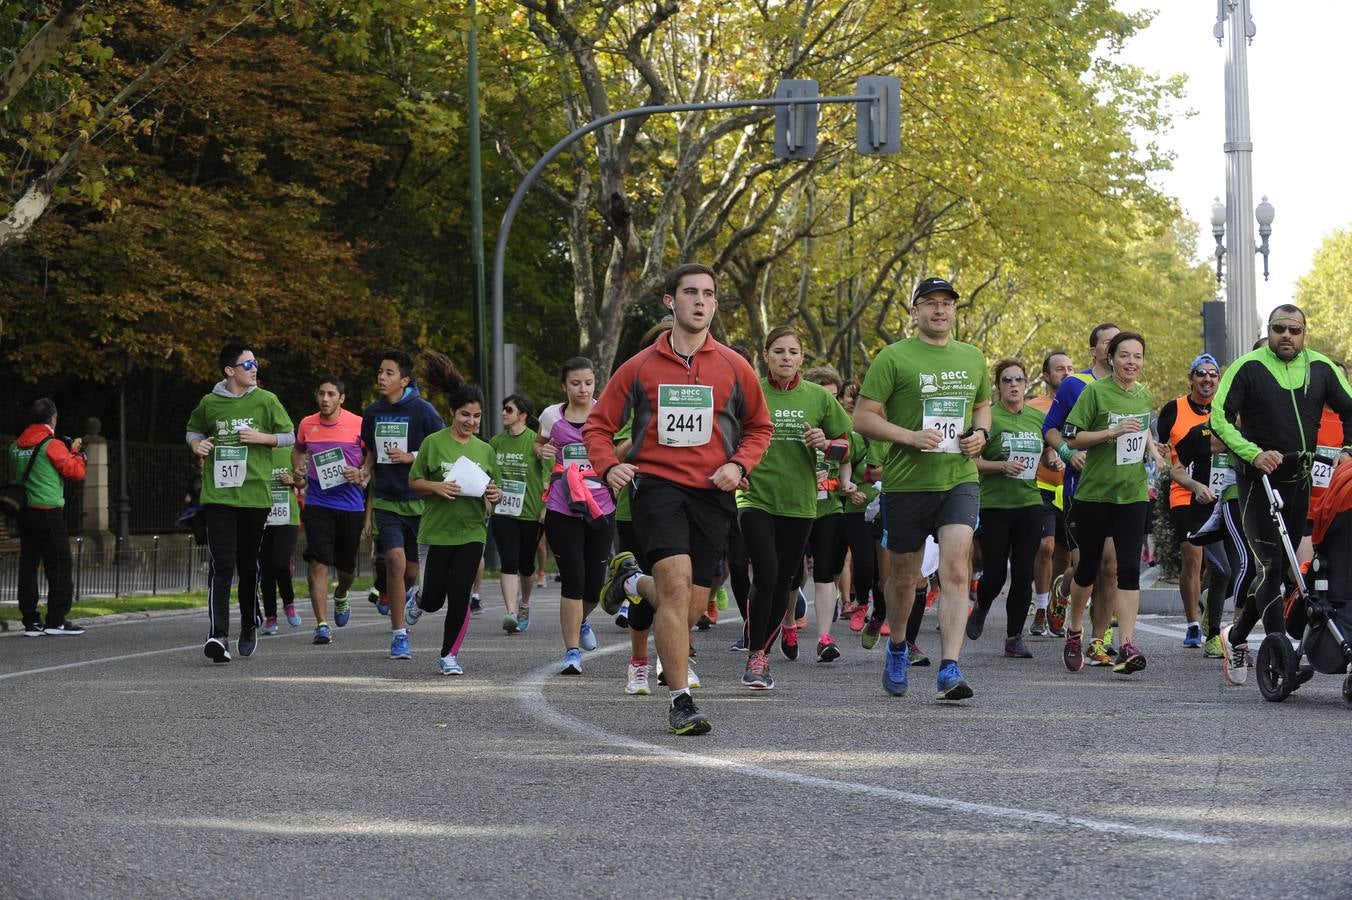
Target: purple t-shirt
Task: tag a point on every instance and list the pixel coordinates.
(567, 437)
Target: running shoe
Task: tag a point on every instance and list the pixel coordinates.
(247, 644)
(523, 617)
(827, 651)
(739, 645)
(848, 608)
(976, 622)
(572, 662)
(622, 617)
(1212, 649)
(896, 667)
(1015, 648)
(757, 675)
(269, 626)
(449, 666)
(1056, 610)
(1099, 654)
(859, 617)
(1194, 636)
(636, 680)
(292, 617)
(1039, 626)
(932, 595)
(383, 605)
(721, 598)
(476, 604)
(1234, 659)
(685, 718)
(950, 685)
(342, 611)
(613, 595)
(586, 637)
(1108, 634)
(509, 623)
(918, 657)
(868, 638)
(691, 676)
(1073, 653)
(399, 647)
(33, 629)
(886, 630)
(788, 641)
(800, 609)
(322, 634)
(412, 611)
(216, 650)
(1129, 659)
(710, 616)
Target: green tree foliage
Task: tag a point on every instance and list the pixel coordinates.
(1323, 293)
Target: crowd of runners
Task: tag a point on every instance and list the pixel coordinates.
(816, 502)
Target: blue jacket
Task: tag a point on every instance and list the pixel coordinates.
(411, 418)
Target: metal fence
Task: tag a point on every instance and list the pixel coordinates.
(161, 565)
(159, 479)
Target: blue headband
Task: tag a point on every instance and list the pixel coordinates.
(1204, 358)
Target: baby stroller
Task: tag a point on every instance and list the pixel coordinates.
(1320, 619)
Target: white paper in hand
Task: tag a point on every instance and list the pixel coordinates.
(473, 480)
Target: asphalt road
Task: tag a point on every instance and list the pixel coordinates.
(136, 768)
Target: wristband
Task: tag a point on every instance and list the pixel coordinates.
(1065, 452)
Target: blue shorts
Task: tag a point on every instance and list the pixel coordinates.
(397, 533)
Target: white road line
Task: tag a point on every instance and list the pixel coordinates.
(530, 693)
(112, 659)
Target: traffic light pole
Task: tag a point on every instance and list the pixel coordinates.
(879, 113)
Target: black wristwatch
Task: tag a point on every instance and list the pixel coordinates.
(739, 465)
(984, 431)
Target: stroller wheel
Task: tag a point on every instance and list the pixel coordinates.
(1276, 668)
(1347, 689)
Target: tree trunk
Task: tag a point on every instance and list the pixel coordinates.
(40, 48)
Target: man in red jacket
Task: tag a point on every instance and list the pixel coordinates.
(700, 425)
(43, 539)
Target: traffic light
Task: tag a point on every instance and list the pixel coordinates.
(878, 121)
(796, 124)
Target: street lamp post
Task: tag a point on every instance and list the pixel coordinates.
(1241, 304)
(1264, 213)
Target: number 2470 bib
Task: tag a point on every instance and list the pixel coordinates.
(685, 415)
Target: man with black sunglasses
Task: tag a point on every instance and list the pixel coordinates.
(1184, 424)
(233, 429)
(1269, 405)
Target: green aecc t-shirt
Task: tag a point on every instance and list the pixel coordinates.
(452, 523)
(1014, 436)
(784, 483)
(922, 386)
(523, 475)
(235, 473)
(1114, 472)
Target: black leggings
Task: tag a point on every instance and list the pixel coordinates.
(234, 534)
(1014, 535)
(581, 551)
(516, 540)
(863, 564)
(1095, 523)
(775, 545)
(1264, 554)
(739, 568)
(275, 566)
(448, 577)
(826, 546)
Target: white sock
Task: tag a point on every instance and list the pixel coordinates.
(1194, 624)
(401, 631)
(631, 584)
(1044, 599)
(675, 694)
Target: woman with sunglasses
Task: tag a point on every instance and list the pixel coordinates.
(1111, 422)
(1011, 507)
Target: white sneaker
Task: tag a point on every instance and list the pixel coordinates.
(449, 666)
(1234, 659)
(691, 676)
(412, 611)
(636, 682)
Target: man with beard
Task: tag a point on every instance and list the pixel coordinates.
(1269, 405)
